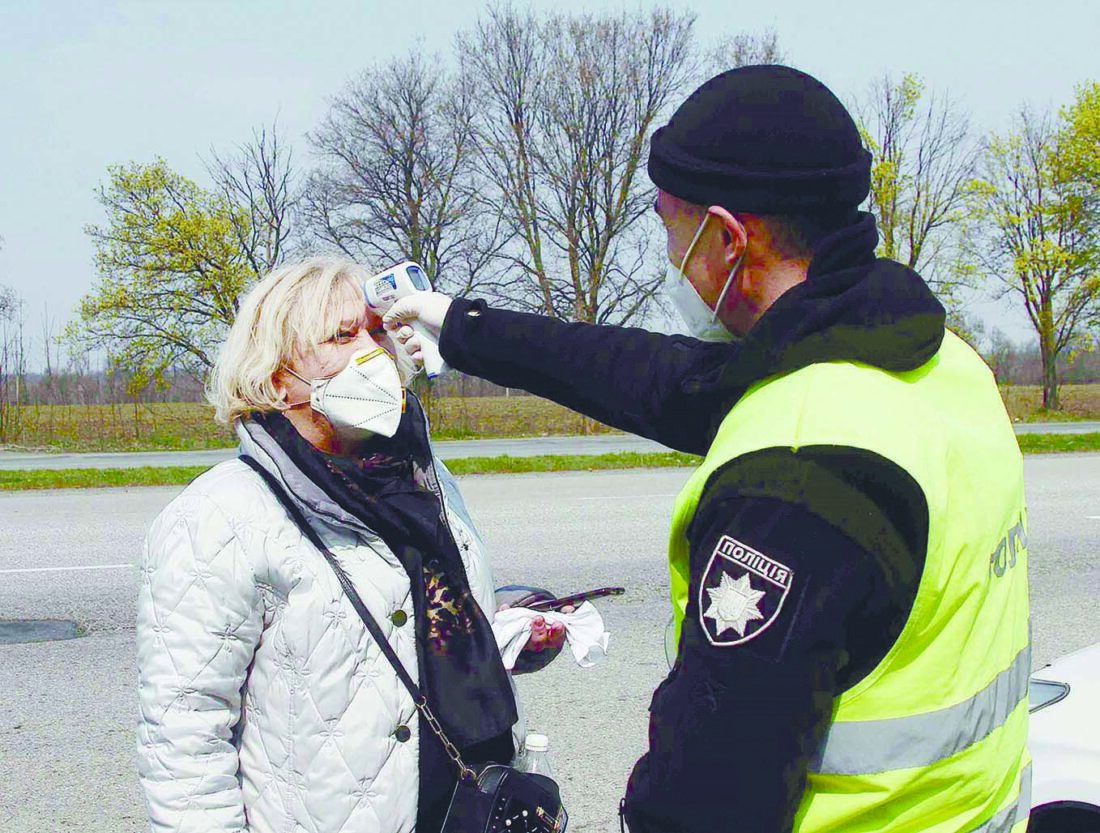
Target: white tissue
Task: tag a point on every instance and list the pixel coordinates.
(584, 632)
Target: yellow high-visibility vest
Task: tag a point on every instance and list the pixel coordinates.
(934, 738)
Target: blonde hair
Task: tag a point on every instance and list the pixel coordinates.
(289, 312)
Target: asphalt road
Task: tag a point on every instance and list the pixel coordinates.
(67, 709)
(447, 450)
(1057, 427)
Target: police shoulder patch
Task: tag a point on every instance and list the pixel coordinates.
(741, 593)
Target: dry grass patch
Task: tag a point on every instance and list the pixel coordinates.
(1079, 402)
(190, 426)
(458, 417)
(169, 426)
(186, 426)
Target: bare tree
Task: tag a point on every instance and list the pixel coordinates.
(518, 174)
(742, 49)
(260, 179)
(503, 63)
(13, 364)
(52, 343)
(1004, 357)
(395, 177)
(567, 107)
(1029, 226)
(924, 159)
(10, 303)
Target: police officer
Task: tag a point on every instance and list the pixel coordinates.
(848, 565)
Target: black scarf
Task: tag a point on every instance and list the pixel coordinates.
(389, 484)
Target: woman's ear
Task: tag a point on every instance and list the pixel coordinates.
(279, 382)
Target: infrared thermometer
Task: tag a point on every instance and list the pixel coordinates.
(382, 292)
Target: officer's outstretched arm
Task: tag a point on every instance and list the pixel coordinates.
(629, 378)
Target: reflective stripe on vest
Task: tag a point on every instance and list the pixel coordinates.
(1013, 814)
(870, 746)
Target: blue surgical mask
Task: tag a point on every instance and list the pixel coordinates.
(700, 320)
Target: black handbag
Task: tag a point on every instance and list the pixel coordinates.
(488, 798)
(500, 799)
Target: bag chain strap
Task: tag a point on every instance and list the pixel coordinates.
(420, 700)
(450, 748)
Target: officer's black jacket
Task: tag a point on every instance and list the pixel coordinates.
(733, 729)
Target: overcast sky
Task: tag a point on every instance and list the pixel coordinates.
(87, 84)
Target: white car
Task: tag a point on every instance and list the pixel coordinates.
(1064, 740)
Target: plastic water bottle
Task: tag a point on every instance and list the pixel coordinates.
(536, 755)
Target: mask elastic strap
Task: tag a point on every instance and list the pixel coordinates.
(729, 280)
(726, 288)
(691, 246)
(290, 370)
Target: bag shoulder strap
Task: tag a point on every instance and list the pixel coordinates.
(295, 513)
(417, 695)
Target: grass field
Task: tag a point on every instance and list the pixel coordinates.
(1058, 443)
(186, 426)
(14, 481)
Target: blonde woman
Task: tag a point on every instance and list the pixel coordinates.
(265, 704)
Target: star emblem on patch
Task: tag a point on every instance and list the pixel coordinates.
(741, 592)
(733, 604)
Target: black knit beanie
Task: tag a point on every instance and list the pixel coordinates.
(763, 140)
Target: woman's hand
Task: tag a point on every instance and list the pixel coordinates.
(545, 635)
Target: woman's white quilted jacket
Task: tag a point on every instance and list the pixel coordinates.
(265, 704)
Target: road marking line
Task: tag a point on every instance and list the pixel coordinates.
(64, 569)
(1092, 517)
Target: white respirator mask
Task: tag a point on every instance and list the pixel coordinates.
(701, 321)
(364, 398)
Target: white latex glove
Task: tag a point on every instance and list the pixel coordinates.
(425, 311)
(429, 308)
